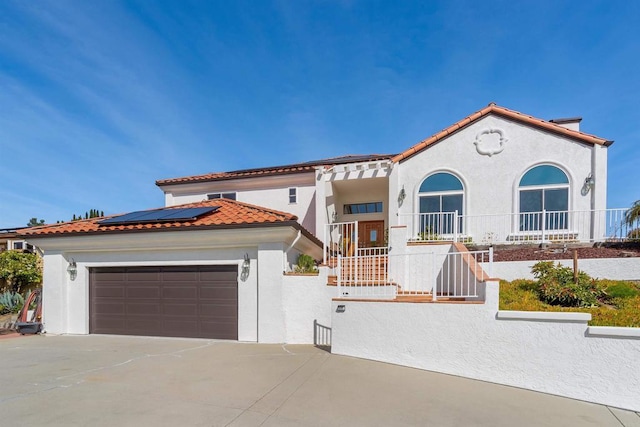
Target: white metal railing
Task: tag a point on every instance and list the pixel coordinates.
(364, 274)
(383, 275)
(340, 239)
(462, 276)
(544, 226)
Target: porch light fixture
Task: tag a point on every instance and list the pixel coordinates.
(334, 216)
(72, 269)
(589, 182)
(246, 265)
(401, 196)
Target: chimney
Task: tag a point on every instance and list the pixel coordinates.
(572, 123)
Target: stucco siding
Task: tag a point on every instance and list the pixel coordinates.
(554, 353)
(491, 182)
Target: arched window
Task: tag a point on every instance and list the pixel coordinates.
(440, 195)
(544, 188)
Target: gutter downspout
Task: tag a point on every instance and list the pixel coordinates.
(284, 258)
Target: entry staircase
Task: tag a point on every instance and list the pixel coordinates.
(455, 276)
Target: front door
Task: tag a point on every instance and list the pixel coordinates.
(370, 234)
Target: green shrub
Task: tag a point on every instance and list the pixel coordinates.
(305, 264)
(556, 286)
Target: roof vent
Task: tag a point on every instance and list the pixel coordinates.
(572, 123)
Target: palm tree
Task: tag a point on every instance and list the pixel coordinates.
(632, 218)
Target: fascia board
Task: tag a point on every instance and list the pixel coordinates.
(185, 239)
(244, 184)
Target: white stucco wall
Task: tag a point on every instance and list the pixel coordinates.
(66, 307)
(269, 192)
(305, 299)
(260, 296)
(602, 268)
(554, 353)
(491, 182)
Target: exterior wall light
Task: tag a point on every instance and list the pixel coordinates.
(401, 196)
(72, 269)
(589, 183)
(246, 265)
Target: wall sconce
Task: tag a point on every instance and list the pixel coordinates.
(401, 196)
(72, 269)
(334, 217)
(589, 182)
(246, 265)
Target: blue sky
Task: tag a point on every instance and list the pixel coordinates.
(98, 99)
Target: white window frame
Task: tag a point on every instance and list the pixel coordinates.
(293, 195)
(222, 195)
(520, 189)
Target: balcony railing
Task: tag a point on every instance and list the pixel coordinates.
(533, 227)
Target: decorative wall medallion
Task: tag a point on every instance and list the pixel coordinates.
(488, 146)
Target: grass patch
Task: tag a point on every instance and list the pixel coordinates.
(620, 305)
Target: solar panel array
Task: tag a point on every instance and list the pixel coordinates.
(159, 215)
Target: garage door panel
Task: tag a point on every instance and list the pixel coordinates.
(217, 310)
(212, 327)
(219, 276)
(143, 292)
(111, 324)
(180, 276)
(116, 276)
(115, 307)
(143, 274)
(110, 291)
(225, 293)
(192, 301)
(186, 310)
(143, 309)
(140, 325)
(180, 292)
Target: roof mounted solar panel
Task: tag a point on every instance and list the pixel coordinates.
(159, 215)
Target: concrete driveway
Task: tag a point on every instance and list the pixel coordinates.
(126, 381)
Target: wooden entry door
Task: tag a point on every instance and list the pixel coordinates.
(370, 234)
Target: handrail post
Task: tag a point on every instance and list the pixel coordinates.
(491, 261)
(339, 275)
(434, 288)
(324, 254)
(455, 225)
(544, 223)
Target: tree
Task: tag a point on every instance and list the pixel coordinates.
(34, 222)
(632, 218)
(633, 214)
(19, 270)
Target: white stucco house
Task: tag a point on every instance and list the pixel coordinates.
(499, 171)
(390, 231)
(495, 176)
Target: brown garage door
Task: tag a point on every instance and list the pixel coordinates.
(190, 301)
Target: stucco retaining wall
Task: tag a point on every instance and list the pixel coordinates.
(305, 299)
(554, 353)
(603, 268)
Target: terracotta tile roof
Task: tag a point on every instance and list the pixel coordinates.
(276, 170)
(504, 112)
(230, 214)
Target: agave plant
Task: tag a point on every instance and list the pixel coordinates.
(11, 302)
